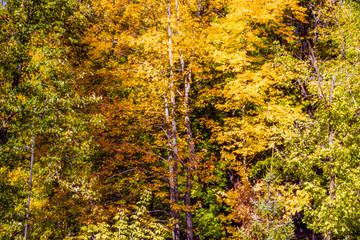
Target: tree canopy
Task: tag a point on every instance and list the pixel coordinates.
(179, 119)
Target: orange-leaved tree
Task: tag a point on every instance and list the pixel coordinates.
(142, 53)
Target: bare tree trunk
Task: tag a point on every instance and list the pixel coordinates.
(192, 160)
(174, 188)
(30, 186)
(189, 165)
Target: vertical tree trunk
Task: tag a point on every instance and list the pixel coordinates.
(189, 165)
(192, 160)
(30, 186)
(174, 189)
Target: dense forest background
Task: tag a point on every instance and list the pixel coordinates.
(179, 119)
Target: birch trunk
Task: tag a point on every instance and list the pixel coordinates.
(173, 158)
(192, 159)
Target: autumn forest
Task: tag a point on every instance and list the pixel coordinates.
(179, 119)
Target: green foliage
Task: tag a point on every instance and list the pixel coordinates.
(210, 226)
(39, 98)
(12, 207)
(138, 225)
(206, 220)
(324, 152)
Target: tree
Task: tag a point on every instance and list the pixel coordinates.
(325, 151)
(255, 94)
(39, 101)
(150, 119)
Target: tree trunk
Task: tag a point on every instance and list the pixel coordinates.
(30, 186)
(174, 189)
(192, 161)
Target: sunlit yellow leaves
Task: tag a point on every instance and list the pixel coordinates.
(242, 30)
